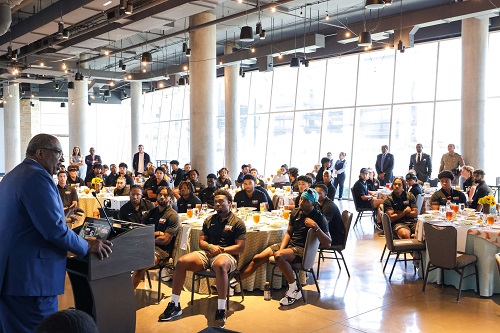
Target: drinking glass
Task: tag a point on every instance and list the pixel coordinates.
(256, 217)
(204, 208)
(490, 219)
(262, 206)
(198, 206)
(449, 215)
(442, 210)
(189, 213)
(461, 207)
(286, 214)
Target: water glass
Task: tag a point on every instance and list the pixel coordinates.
(461, 207)
(442, 210)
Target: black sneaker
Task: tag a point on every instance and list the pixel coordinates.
(220, 318)
(170, 312)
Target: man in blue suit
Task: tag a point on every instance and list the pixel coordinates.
(34, 239)
(384, 166)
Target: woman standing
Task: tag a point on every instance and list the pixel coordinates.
(77, 159)
(340, 167)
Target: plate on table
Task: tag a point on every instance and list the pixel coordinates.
(433, 212)
(469, 210)
(428, 216)
(247, 209)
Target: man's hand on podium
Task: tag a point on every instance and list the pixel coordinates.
(101, 248)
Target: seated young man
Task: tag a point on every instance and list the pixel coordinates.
(364, 198)
(185, 197)
(401, 206)
(166, 222)
(121, 188)
(291, 249)
(221, 241)
(447, 192)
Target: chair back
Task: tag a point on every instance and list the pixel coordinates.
(497, 258)
(355, 200)
(275, 201)
(346, 219)
(433, 182)
(441, 245)
(389, 237)
(310, 248)
(178, 237)
(420, 202)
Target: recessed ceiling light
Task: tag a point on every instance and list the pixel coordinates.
(107, 3)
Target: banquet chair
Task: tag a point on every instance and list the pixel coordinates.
(442, 249)
(209, 273)
(337, 249)
(497, 258)
(167, 265)
(420, 202)
(361, 211)
(307, 264)
(399, 246)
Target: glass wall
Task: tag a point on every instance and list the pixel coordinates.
(352, 104)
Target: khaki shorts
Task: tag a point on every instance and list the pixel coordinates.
(207, 262)
(297, 250)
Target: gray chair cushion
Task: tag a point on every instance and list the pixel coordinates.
(465, 259)
(408, 245)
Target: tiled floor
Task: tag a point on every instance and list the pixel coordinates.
(366, 302)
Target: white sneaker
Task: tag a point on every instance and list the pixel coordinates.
(290, 297)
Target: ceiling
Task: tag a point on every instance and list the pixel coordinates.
(162, 26)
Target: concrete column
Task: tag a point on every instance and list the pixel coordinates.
(135, 115)
(30, 121)
(78, 114)
(12, 127)
(232, 115)
(202, 74)
(474, 51)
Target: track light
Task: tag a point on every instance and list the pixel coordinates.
(242, 73)
(262, 34)
(365, 39)
(78, 76)
(71, 85)
(65, 34)
(188, 52)
(63, 105)
(120, 63)
(182, 81)
(146, 58)
(60, 29)
(305, 62)
(56, 86)
(258, 28)
(9, 52)
(124, 68)
(295, 62)
(184, 47)
(129, 9)
(107, 93)
(374, 4)
(123, 4)
(246, 34)
(401, 46)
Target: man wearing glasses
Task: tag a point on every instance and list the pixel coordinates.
(34, 238)
(291, 249)
(73, 176)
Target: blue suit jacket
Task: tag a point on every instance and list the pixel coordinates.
(34, 238)
(387, 167)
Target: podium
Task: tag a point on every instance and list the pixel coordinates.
(104, 288)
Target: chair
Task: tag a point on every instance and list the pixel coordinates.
(433, 182)
(399, 246)
(442, 249)
(361, 211)
(165, 265)
(307, 265)
(420, 202)
(346, 219)
(209, 273)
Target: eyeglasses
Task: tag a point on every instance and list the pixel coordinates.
(57, 151)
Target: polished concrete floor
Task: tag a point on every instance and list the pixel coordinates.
(367, 302)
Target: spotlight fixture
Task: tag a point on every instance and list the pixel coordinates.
(32, 104)
(56, 86)
(258, 28)
(182, 81)
(71, 85)
(146, 58)
(295, 62)
(123, 4)
(107, 93)
(105, 100)
(388, 2)
(262, 34)
(242, 73)
(65, 34)
(111, 83)
(14, 55)
(188, 52)
(365, 39)
(246, 34)
(129, 9)
(327, 17)
(60, 29)
(120, 63)
(78, 76)
(305, 62)
(273, 9)
(401, 46)
(125, 94)
(184, 47)
(63, 105)
(374, 4)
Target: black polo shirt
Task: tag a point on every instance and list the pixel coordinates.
(111, 180)
(334, 219)
(128, 212)
(242, 199)
(166, 221)
(78, 181)
(442, 197)
(299, 234)
(359, 189)
(182, 204)
(398, 204)
(224, 232)
(67, 194)
(152, 185)
(207, 196)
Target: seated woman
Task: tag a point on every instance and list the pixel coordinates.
(282, 176)
(469, 186)
(372, 181)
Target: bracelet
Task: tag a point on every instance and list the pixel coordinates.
(208, 247)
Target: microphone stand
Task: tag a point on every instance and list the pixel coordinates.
(104, 211)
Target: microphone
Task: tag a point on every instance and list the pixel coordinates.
(104, 211)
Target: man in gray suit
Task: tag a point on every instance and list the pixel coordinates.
(421, 163)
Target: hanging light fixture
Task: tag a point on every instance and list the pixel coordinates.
(107, 93)
(246, 34)
(129, 9)
(374, 4)
(182, 81)
(188, 53)
(60, 29)
(71, 85)
(262, 34)
(258, 28)
(295, 62)
(184, 47)
(63, 105)
(146, 58)
(388, 2)
(365, 39)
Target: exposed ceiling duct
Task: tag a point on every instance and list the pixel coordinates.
(5, 15)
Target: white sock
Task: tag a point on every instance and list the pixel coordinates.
(221, 304)
(175, 299)
(292, 286)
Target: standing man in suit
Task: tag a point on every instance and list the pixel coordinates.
(92, 159)
(141, 160)
(34, 238)
(384, 166)
(421, 163)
